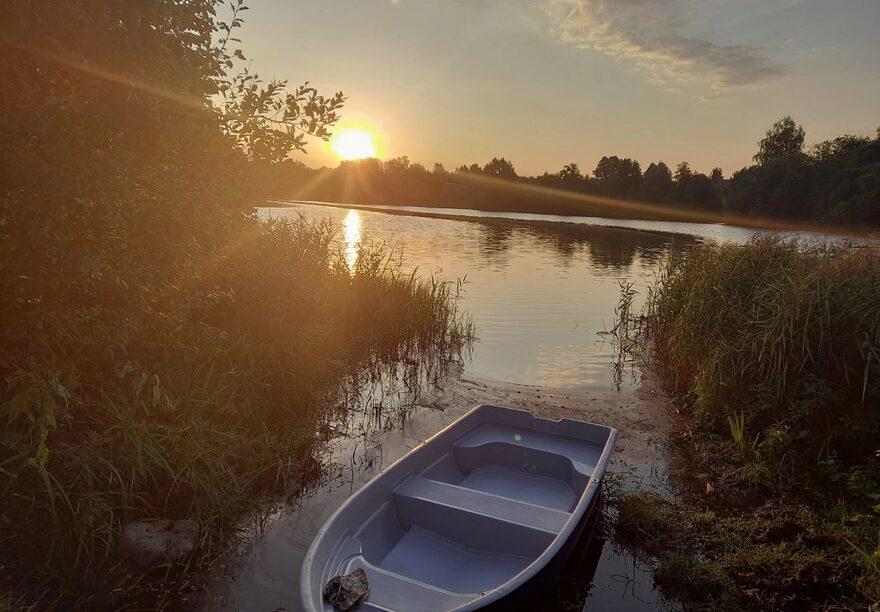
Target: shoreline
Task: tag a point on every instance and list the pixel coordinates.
(260, 572)
(680, 227)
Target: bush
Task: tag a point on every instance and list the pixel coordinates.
(164, 353)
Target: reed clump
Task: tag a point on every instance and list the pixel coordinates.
(772, 349)
(777, 341)
(198, 399)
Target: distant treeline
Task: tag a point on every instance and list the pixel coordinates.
(834, 182)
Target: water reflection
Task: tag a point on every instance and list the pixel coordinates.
(351, 236)
(539, 292)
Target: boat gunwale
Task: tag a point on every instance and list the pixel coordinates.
(516, 581)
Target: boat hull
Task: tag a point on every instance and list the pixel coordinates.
(481, 515)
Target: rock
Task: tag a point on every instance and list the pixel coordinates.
(348, 591)
(156, 542)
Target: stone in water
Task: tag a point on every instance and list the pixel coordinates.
(156, 542)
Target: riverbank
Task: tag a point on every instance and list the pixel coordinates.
(261, 572)
(717, 229)
(770, 353)
(136, 445)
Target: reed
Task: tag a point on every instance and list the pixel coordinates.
(773, 351)
(776, 334)
(204, 403)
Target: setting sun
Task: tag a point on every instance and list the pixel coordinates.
(354, 144)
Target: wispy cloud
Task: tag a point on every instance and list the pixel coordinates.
(652, 34)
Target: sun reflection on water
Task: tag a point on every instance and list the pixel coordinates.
(351, 236)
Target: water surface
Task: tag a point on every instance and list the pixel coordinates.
(541, 290)
(540, 293)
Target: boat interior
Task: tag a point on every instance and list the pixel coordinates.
(471, 520)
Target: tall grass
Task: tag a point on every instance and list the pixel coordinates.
(773, 349)
(201, 401)
(780, 334)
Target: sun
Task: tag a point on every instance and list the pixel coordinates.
(354, 143)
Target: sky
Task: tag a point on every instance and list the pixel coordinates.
(549, 82)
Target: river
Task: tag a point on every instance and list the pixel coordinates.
(542, 291)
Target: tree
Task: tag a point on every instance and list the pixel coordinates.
(570, 177)
(439, 169)
(618, 176)
(717, 176)
(784, 139)
(570, 172)
(396, 165)
(683, 172)
(697, 191)
(838, 146)
(130, 154)
(500, 168)
(657, 184)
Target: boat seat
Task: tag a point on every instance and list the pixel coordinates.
(485, 504)
(583, 456)
(393, 591)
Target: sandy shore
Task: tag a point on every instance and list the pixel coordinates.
(262, 572)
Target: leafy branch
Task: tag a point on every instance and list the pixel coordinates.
(266, 121)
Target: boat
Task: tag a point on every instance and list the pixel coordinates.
(480, 515)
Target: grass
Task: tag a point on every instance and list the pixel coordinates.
(772, 352)
(641, 516)
(776, 334)
(686, 577)
(203, 403)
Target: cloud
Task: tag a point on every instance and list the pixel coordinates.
(652, 34)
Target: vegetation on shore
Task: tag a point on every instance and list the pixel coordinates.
(165, 354)
(833, 182)
(771, 353)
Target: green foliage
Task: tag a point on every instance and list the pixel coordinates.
(738, 433)
(778, 338)
(838, 183)
(686, 577)
(784, 139)
(164, 354)
(641, 516)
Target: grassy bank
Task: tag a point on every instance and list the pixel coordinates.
(772, 352)
(201, 408)
(164, 354)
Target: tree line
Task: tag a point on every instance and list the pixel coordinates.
(835, 181)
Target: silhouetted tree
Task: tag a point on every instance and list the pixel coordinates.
(785, 138)
(657, 184)
(397, 165)
(616, 176)
(837, 182)
(683, 171)
(500, 168)
(837, 146)
(696, 191)
(569, 172)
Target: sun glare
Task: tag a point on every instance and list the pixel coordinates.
(354, 144)
(351, 236)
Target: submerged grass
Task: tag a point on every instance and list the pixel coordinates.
(203, 403)
(772, 352)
